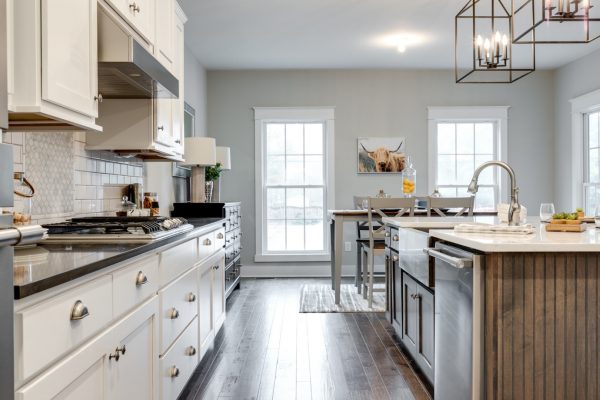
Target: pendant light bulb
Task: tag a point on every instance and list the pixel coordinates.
(479, 41)
(486, 44)
(504, 40)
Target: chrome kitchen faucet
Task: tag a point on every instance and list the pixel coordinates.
(514, 210)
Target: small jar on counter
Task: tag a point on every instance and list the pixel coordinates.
(149, 198)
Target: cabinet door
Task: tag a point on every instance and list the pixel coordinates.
(205, 304)
(69, 54)
(397, 295)
(131, 376)
(410, 311)
(141, 16)
(426, 326)
(178, 104)
(79, 376)
(163, 129)
(165, 37)
(218, 298)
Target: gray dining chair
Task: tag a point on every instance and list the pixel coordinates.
(380, 208)
(464, 205)
(362, 237)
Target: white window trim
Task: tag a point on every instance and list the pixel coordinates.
(456, 114)
(579, 107)
(264, 115)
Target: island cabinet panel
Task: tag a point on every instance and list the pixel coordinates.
(541, 326)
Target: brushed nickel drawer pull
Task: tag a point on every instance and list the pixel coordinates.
(395, 238)
(191, 297)
(216, 267)
(207, 242)
(79, 311)
(174, 313)
(191, 351)
(141, 279)
(161, 128)
(220, 235)
(99, 98)
(415, 296)
(174, 372)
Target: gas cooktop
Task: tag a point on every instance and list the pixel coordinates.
(115, 229)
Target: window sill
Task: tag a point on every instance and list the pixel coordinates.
(266, 258)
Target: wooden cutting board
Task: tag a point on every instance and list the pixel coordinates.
(566, 227)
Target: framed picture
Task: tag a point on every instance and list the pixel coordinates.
(189, 129)
(381, 155)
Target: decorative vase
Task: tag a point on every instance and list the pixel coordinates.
(208, 191)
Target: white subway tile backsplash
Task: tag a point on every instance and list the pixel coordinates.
(114, 179)
(17, 138)
(109, 168)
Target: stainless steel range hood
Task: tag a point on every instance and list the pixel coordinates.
(126, 69)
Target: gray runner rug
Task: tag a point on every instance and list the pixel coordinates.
(319, 298)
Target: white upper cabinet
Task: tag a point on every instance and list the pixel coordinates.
(179, 71)
(69, 54)
(53, 75)
(139, 14)
(164, 47)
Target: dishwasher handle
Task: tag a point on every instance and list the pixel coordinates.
(456, 262)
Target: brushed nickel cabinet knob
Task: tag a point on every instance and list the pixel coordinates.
(174, 313)
(220, 235)
(191, 351)
(191, 297)
(174, 372)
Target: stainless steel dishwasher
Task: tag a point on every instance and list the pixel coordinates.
(458, 323)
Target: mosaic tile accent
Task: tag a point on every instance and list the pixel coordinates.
(47, 163)
(69, 180)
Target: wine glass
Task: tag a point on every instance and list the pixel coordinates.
(546, 211)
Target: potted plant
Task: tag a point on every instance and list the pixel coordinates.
(210, 176)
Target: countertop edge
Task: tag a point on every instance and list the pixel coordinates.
(23, 291)
(444, 234)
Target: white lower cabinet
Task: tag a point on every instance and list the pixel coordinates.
(131, 375)
(125, 335)
(92, 372)
(211, 299)
(179, 362)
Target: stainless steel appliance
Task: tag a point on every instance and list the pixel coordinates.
(458, 323)
(116, 230)
(126, 70)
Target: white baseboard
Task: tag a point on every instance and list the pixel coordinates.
(292, 270)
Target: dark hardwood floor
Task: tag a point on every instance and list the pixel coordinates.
(268, 350)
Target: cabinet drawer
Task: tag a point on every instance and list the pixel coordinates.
(134, 284)
(219, 239)
(178, 306)
(176, 261)
(48, 330)
(206, 245)
(179, 363)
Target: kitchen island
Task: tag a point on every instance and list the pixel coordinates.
(534, 304)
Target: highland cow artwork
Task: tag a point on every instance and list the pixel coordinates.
(381, 155)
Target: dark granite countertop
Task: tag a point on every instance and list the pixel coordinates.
(46, 266)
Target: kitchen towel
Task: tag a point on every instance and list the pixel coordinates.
(526, 229)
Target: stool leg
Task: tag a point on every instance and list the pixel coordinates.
(358, 267)
(363, 282)
(371, 274)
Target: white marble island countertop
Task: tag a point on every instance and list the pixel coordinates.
(540, 241)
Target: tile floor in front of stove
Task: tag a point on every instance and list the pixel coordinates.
(268, 350)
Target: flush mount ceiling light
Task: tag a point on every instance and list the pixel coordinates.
(555, 21)
(400, 41)
(483, 50)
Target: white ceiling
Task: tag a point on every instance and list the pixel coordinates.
(280, 34)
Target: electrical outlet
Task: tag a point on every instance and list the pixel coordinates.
(348, 246)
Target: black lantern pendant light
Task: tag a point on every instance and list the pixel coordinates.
(555, 21)
(483, 48)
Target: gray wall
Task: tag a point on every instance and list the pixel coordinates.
(377, 103)
(575, 79)
(195, 89)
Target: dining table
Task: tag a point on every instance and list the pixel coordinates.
(337, 219)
